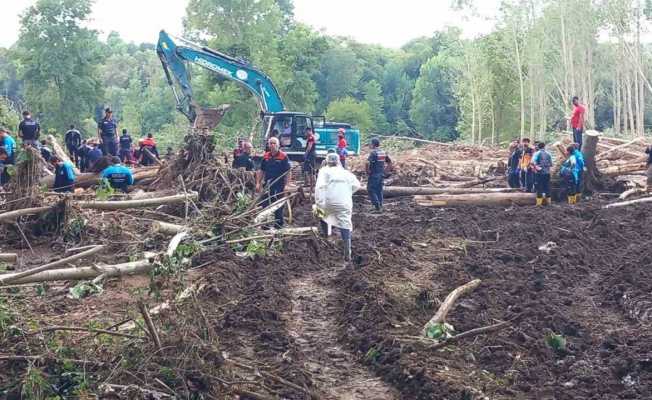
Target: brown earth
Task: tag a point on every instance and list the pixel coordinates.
(300, 324)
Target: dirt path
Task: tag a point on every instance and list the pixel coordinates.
(311, 322)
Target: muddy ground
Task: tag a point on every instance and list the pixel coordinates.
(303, 324)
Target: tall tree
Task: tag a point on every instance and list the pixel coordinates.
(58, 60)
(434, 109)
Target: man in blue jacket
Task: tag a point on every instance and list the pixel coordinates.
(64, 175)
(119, 176)
(9, 145)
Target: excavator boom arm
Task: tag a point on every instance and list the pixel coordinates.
(174, 53)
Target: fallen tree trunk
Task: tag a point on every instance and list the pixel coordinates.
(604, 154)
(8, 257)
(449, 302)
(629, 203)
(71, 274)
(398, 191)
(502, 199)
(415, 140)
(631, 192)
(456, 178)
(480, 181)
(126, 204)
(15, 277)
(60, 152)
(11, 216)
(623, 169)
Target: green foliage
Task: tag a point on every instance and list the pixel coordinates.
(35, 385)
(433, 102)
(440, 331)
(556, 342)
(104, 190)
(9, 117)
(6, 316)
(373, 96)
(256, 248)
(349, 110)
(60, 73)
(74, 229)
(372, 355)
(242, 202)
(84, 289)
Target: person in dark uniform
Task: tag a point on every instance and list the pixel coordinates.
(82, 152)
(73, 141)
(273, 171)
(29, 130)
(243, 159)
(64, 175)
(107, 131)
(376, 172)
(46, 151)
(125, 147)
(310, 158)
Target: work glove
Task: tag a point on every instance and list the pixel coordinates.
(318, 212)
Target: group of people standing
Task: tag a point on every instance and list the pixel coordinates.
(529, 168)
(105, 154)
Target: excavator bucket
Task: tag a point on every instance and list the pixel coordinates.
(210, 117)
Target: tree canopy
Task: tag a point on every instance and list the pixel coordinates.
(514, 81)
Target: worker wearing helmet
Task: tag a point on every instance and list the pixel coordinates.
(334, 200)
(341, 146)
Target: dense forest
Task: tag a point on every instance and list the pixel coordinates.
(517, 80)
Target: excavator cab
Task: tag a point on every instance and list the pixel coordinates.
(290, 129)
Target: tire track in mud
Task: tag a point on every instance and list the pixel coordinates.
(311, 322)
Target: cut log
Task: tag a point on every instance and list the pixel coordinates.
(415, 140)
(480, 181)
(11, 216)
(15, 277)
(623, 169)
(629, 203)
(60, 152)
(592, 176)
(398, 191)
(604, 154)
(8, 257)
(502, 199)
(166, 227)
(449, 302)
(71, 274)
(456, 178)
(126, 204)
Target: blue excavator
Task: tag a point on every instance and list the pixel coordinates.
(288, 126)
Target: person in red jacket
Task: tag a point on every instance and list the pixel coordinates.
(341, 147)
(577, 121)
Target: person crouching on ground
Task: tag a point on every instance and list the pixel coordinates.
(569, 175)
(64, 175)
(119, 176)
(542, 161)
(334, 199)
